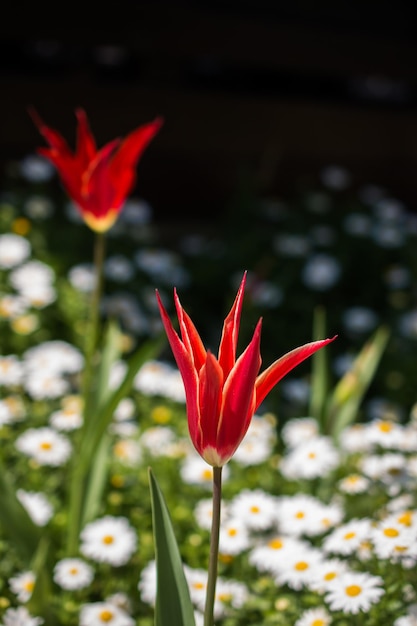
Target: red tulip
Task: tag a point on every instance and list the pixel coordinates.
(98, 181)
(223, 393)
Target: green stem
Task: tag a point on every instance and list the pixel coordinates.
(93, 331)
(214, 547)
(79, 469)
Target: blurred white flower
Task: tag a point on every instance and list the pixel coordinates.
(36, 169)
(37, 505)
(45, 446)
(22, 585)
(14, 249)
(82, 277)
(109, 540)
(20, 617)
(99, 613)
(321, 272)
(335, 177)
(73, 573)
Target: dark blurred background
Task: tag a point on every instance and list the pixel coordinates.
(275, 89)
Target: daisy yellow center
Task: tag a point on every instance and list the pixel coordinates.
(28, 585)
(254, 509)
(108, 539)
(198, 585)
(224, 597)
(5, 366)
(299, 515)
(400, 548)
(326, 522)
(232, 532)
(406, 518)
(207, 474)
(350, 535)
(385, 427)
(276, 544)
(312, 455)
(318, 622)
(353, 590)
(106, 616)
(330, 576)
(301, 566)
(352, 479)
(45, 445)
(390, 532)
(73, 571)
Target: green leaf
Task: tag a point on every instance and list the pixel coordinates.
(319, 378)
(351, 389)
(40, 600)
(173, 603)
(15, 520)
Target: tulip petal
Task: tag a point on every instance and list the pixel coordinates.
(86, 145)
(53, 137)
(190, 336)
(186, 366)
(275, 372)
(228, 342)
(123, 164)
(239, 396)
(210, 401)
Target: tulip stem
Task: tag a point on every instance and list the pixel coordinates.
(214, 547)
(92, 335)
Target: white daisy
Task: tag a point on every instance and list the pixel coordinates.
(354, 483)
(312, 459)
(12, 306)
(82, 277)
(45, 446)
(299, 430)
(314, 617)
(229, 593)
(73, 573)
(37, 505)
(354, 592)
(22, 585)
(393, 540)
(255, 508)
(353, 439)
(12, 409)
(14, 249)
(297, 568)
(234, 537)
(267, 556)
(43, 384)
(99, 613)
(147, 584)
(297, 514)
(195, 471)
(58, 357)
(20, 617)
(128, 452)
(321, 272)
(125, 410)
(325, 572)
(385, 433)
(347, 538)
(11, 370)
(66, 419)
(109, 540)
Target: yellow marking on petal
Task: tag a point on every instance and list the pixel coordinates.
(100, 224)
